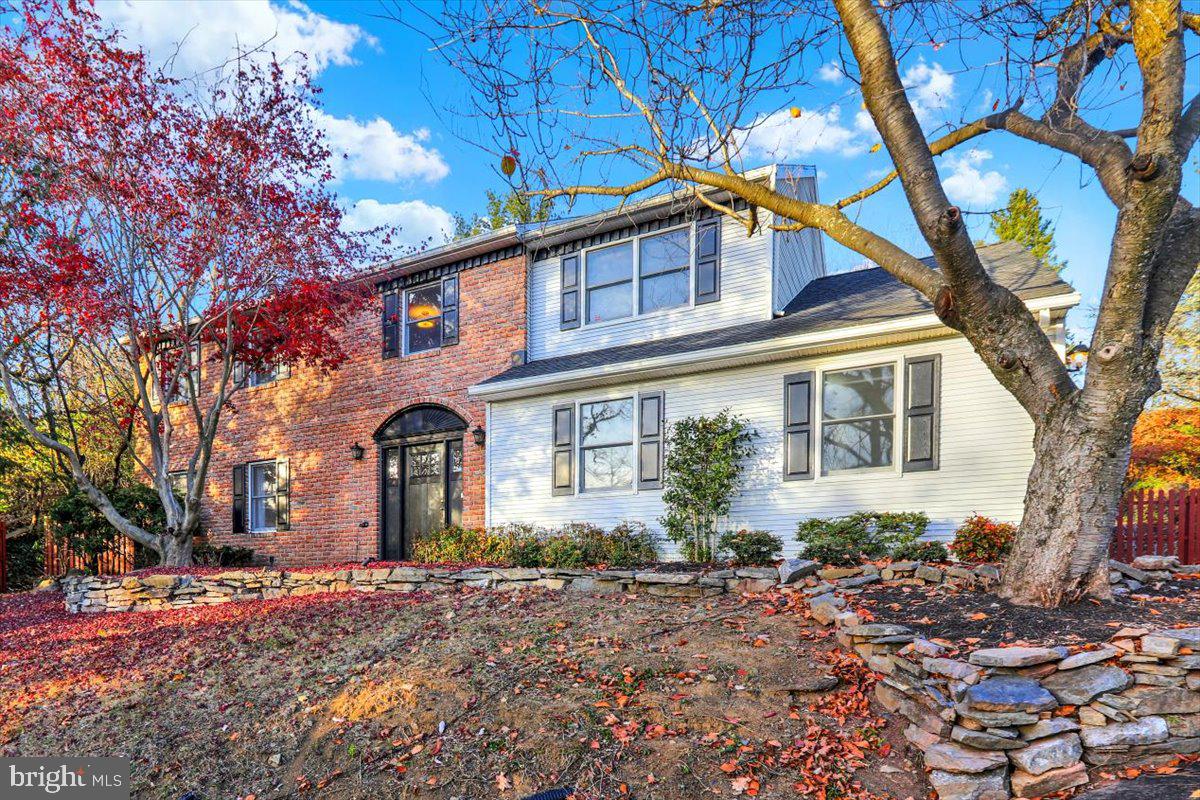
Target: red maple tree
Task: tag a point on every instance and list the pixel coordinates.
(154, 234)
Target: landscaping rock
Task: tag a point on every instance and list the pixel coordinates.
(1088, 657)
(1158, 645)
(1016, 656)
(854, 583)
(833, 573)
(954, 757)
(1153, 700)
(1048, 727)
(1081, 686)
(757, 573)
(928, 574)
(952, 668)
(794, 569)
(1155, 563)
(1188, 637)
(920, 738)
(1007, 693)
(1025, 784)
(875, 631)
(826, 607)
(1144, 731)
(1054, 752)
(991, 785)
(664, 577)
(988, 572)
(1129, 572)
(983, 740)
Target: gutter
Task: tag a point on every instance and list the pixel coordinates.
(733, 355)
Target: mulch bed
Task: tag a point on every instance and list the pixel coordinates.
(982, 619)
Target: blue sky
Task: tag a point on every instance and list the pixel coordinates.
(384, 106)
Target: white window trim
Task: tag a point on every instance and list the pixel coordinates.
(440, 284)
(819, 417)
(250, 526)
(632, 488)
(637, 278)
(250, 373)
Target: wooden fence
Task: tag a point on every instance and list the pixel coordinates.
(3, 557)
(117, 559)
(1161, 523)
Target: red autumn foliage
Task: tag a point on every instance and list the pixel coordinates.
(146, 218)
(1166, 450)
(981, 539)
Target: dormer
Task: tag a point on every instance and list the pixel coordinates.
(663, 267)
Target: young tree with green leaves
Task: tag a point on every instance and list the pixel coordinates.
(1021, 221)
(510, 208)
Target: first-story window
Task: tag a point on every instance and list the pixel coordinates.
(178, 481)
(606, 453)
(858, 416)
(261, 491)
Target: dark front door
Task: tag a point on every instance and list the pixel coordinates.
(422, 490)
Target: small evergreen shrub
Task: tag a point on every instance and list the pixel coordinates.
(920, 551)
(865, 536)
(573, 546)
(563, 551)
(752, 548)
(982, 539)
(629, 544)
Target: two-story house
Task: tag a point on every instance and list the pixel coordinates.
(860, 398)
(315, 468)
(531, 374)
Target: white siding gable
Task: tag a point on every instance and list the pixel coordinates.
(986, 450)
(745, 297)
(799, 256)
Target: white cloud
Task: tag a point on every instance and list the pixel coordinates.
(419, 222)
(782, 136)
(967, 183)
(830, 73)
(206, 34)
(930, 90)
(375, 150)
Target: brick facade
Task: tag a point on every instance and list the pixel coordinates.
(313, 419)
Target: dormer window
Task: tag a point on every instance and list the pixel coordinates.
(642, 275)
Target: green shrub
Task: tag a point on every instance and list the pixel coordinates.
(563, 551)
(920, 551)
(752, 548)
(982, 539)
(81, 529)
(629, 544)
(865, 536)
(224, 556)
(526, 552)
(459, 545)
(26, 555)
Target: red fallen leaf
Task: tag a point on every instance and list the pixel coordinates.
(729, 766)
(437, 748)
(977, 616)
(885, 749)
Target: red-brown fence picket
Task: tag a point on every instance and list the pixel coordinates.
(1157, 522)
(3, 557)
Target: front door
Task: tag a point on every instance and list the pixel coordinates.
(422, 490)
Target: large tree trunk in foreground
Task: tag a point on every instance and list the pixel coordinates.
(1071, 502)
(176, 551)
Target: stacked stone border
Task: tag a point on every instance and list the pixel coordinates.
(1001, 722)
(97, 594)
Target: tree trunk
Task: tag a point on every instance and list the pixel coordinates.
(1071, 501)
(176, 551)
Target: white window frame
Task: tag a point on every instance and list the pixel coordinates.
(819, 414)
(263, 378)
(251, 497)
(404, 321)
(632, 445)
(636, 289)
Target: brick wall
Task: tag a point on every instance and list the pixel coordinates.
(312, 419)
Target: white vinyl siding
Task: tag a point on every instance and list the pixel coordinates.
(986, 450)
(799, 256)
(745, 297)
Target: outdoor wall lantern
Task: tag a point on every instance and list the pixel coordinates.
(479, 435)
(357, 451)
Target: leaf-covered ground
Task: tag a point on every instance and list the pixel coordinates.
(467, 695)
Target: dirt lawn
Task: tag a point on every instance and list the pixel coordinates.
(470, 695)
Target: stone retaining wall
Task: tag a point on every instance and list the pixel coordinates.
(1005, 722)
(91, 594)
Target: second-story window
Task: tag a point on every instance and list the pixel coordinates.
(431, 316)
(663, 263)
(260, 377)
(609, 274)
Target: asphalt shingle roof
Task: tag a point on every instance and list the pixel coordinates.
(833, 301)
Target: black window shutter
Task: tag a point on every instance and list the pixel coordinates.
(450, 310)
(283, 495)
(708, 261)
(391, 324)
(563, 437)
(569, 270)
(922, 412)
(239, 498)
(798, 406)
(650, 440)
